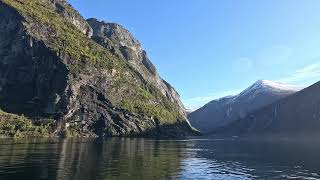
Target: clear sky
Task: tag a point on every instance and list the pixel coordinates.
(211, 48)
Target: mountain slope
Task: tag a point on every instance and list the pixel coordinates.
(296, 114)
(51, 68)
(121, 42)
(221, 112)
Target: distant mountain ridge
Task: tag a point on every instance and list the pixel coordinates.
(223, 111)
(297, 114)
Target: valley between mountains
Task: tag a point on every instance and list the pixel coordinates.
(63, 75)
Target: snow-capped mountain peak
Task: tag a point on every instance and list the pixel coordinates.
(278, 85)
(267, 85)
(226, 110)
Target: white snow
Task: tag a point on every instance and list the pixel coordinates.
(261, 86)
(266, 85)
(278, 85)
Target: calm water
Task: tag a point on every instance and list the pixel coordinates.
(84, 159)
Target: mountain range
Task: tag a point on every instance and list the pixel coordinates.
(297, 114)
(224, 111)
(63, 75)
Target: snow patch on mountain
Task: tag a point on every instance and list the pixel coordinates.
(221, 112)
(266, 85)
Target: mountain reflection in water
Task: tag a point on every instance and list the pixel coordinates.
(121, 158)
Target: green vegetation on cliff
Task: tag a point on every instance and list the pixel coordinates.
(128, 91)
(12, 125)
(64, 38)
(144, 100)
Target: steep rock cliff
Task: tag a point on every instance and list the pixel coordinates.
(121, 42)
(50, 68)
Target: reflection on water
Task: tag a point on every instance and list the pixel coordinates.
(116, 158)
(88, 159)
(252, 159)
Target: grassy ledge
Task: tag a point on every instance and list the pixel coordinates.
(12, 125)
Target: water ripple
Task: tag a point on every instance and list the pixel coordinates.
(120, 158)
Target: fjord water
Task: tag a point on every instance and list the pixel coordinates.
(121, 158)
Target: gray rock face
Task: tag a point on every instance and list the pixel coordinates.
(224, 111)
(297, 114)
(71, 15)
(31, 76)
(40, 79)
(121, 42)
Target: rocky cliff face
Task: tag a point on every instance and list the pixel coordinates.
(50, 68)
(121, 42)
(72, 16)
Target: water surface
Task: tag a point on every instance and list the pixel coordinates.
(121, 158)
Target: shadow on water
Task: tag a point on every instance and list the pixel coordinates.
(78, 159)
(121, 158)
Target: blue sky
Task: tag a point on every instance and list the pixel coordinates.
(212, 48)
